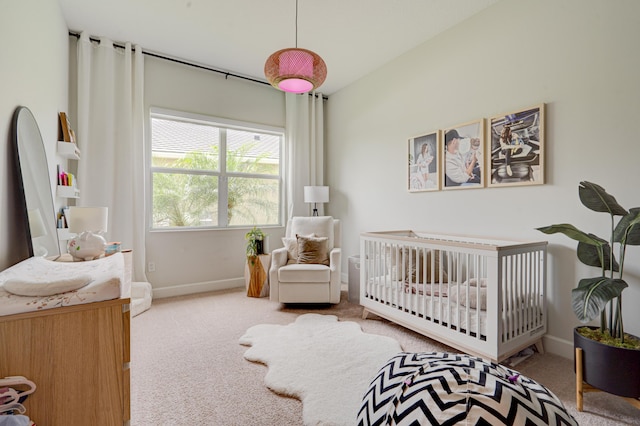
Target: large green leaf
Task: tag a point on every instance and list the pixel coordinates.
(589, 255)
(595, 197)
(628, 229)
(589, 246)
(592, 295)
(573, 233)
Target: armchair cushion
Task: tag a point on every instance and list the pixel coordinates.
(320, 226)
(312, 250)
(301, 273)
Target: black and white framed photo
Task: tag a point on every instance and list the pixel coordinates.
(517, 147)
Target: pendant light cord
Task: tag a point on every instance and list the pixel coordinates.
(296, 24)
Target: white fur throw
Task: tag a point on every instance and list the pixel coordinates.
(324, 362)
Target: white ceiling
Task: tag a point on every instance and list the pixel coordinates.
(354, 37)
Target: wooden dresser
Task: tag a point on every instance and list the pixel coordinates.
(78, 357)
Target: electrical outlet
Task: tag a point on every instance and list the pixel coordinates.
(151, 267)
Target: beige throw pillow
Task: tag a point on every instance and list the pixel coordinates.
(312, 250)
(291, 244)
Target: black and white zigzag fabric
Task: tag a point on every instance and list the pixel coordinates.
(451, 389)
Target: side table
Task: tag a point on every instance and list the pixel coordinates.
(256, 275)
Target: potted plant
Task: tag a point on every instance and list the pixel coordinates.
(614, 366)
(255, 242)
(256, 273)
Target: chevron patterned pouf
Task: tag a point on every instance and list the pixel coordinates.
(453, 389)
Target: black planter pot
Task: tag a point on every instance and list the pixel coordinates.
(610, 369)
(259, 247)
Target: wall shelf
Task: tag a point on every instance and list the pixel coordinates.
(67, 191)
(68, 150)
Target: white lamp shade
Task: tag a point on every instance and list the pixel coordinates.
(316, 194)
(92, 219)
(36, 224)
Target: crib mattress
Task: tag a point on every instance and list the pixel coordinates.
(440, 309)
(107, 282)
(438, 312)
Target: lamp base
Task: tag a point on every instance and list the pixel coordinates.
(315, 212)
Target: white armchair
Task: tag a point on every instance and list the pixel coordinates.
(291, 279)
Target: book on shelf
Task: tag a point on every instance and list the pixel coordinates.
(63, 215)
(68, 135)
(64, 178)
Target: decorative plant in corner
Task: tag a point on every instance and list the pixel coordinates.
(592, 295)
(255, 239)
(255, 247)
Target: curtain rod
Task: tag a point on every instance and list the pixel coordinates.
(227, 74)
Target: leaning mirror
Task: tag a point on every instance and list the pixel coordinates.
(39, 211)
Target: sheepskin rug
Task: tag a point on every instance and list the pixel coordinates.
(326, 363)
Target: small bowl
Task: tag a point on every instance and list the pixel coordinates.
(111, 248)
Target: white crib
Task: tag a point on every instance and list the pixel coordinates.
(484, 297)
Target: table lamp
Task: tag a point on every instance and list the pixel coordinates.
(89, 223)
(315, 195)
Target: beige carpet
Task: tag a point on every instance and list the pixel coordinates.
(187, 366)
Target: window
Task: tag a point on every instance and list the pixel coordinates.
(208, 172)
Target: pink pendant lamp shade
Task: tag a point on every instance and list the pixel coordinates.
(295, 70)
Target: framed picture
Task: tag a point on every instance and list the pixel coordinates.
(464, 160)
(517, 147)
(424, 162)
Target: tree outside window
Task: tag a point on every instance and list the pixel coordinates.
(207, 175)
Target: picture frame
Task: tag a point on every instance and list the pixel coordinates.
(424, 162)
(523, 164)
(464, 164)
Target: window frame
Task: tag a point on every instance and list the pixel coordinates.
(223, 176)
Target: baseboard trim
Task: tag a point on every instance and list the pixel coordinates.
(557, 346)
(193, 288)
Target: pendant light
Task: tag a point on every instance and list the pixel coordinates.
(295, 70)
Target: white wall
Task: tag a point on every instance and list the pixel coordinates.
(578, 57)
(193, 261)
(34, 54)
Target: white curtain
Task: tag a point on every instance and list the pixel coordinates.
(111, 140)
(305, 150)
